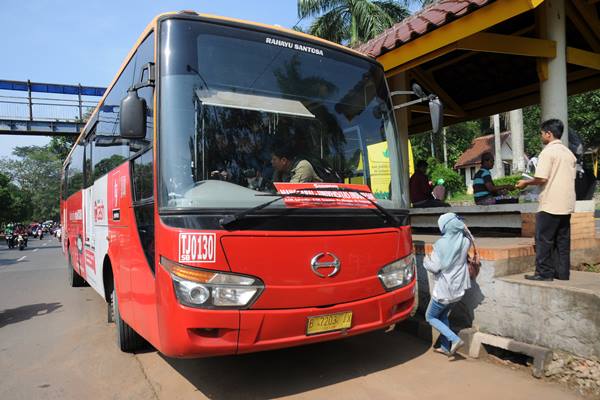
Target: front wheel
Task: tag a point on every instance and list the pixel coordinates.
(73, 278)
(128, 340)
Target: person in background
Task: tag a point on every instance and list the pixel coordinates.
(484, 190)
(420, 189)
(555, 173)
(448, 264)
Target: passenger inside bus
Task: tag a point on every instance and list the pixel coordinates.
(290, 167)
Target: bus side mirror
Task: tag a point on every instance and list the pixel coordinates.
(436, 110)
(133, 116)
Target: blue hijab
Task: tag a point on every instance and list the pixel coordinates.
(450, 246)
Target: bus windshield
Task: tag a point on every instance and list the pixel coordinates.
(241, 110)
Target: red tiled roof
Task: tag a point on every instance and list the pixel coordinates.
(480, 145)
(426, 20)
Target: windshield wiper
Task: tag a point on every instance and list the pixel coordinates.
(229, 219)
(385, 214)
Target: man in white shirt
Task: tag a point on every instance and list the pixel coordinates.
(555, 173)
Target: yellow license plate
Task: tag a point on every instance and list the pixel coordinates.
(329, 322)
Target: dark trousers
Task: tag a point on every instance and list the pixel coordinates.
(552, 245)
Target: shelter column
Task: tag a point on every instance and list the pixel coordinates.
(498, 164)
(516, 134)
(553, 91)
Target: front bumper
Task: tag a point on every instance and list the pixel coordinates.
(186, 332)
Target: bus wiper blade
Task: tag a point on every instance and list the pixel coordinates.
(229, 219)
(385, 214)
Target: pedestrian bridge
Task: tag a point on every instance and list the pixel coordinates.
(45, 109)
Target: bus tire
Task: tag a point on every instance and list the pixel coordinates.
(73, 278)
(128, 340)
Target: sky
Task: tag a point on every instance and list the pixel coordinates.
(75, 41)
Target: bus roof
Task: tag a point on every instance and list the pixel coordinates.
(216, 18)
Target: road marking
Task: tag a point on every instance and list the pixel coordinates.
(34, 250)
(45, 244)
(22, 258)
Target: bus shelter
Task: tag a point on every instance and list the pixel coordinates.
(483, 57)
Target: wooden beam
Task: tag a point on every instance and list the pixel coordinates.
(477, 21)
(585, 31)
(421, 60)
(464, 56)
(508, 44)
(430, 83)
(583, 58)
(497, 98)
(590, 15)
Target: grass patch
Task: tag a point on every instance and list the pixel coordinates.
(460, 198)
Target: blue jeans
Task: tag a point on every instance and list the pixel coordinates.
(437, 316)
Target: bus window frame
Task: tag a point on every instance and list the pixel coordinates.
(157, 29)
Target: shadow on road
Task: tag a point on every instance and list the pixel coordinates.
(296, 370)
(10, 261)
(15, 315)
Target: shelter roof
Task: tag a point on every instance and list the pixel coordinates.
(480, 145)
(483, 57)
(426, 20)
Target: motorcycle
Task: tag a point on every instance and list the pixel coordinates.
(21, 242)
(10, 241)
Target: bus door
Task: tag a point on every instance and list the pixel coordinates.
(88, 269)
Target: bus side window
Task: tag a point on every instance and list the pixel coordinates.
(142, 177)
(75, 171)
(143, 56)
(87, 165)
(63, 183)
(109, 149)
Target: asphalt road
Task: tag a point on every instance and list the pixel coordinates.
(55, 344)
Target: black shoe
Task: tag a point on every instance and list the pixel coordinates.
(538, 278)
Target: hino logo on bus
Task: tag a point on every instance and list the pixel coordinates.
(315, 265)
(295, 46)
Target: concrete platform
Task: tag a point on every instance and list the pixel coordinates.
(519, 219)
(582, 282)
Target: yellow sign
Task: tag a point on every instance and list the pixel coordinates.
(328, 323)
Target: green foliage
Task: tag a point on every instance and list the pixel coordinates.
(351, 21)
(509, 180)
(36, 177)
(454, 183)
(584, 118)
(16, 203)
(458, 139)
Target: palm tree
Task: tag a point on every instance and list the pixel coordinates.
(351, 21)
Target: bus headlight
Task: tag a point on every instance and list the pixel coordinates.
(399, 273)
(196, 287)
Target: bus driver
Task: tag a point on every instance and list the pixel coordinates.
(291, 169)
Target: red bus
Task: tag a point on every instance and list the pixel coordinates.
(237, 189)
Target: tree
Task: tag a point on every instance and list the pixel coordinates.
(584, 118)
(16, 203)
(36, 171)
(351, 21)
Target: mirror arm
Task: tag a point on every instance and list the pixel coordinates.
(410, 103)
(150, 82)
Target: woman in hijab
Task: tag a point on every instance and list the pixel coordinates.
(448, 264)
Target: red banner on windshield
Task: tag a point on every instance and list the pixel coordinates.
(332, 198)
